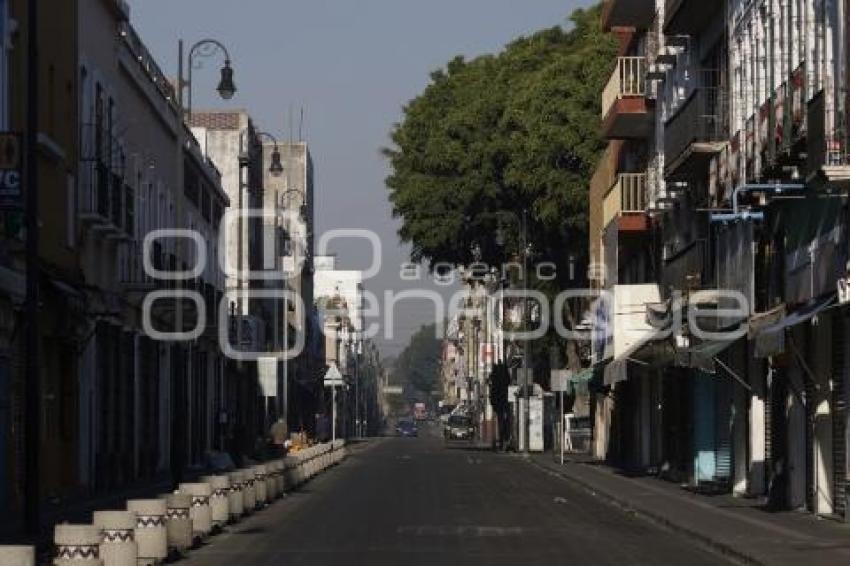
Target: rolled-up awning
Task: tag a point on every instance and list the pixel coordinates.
(770, 341)
(702, 356)
(641, 352)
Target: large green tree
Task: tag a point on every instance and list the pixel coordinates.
(419, 363)
(499, 134)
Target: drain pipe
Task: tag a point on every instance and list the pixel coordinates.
(774, 188)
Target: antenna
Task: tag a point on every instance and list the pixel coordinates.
(301, 126)
(290, 122)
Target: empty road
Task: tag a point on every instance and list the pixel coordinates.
(415, 502)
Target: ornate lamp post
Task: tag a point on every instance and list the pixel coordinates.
(204, 49)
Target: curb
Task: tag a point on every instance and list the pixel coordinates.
(658, 519)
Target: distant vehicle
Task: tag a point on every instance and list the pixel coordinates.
(406, 428)
(420, 413)
(459, 427)
(446, 412)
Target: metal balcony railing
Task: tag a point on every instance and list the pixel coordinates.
(95, 186)
(627, 80)
(133, 270)
(627, 196)
(701, 119)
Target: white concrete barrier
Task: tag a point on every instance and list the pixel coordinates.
(151, 533)
(276, 473)
(118, 540)
(249, 492)
(178, 524)
(219, 503)
(290, 469)
(17, 555)
(77, 545)
(260, 485)
(235, 499)
(200, 512)
(271, 482)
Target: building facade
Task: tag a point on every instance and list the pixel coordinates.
(722, 239)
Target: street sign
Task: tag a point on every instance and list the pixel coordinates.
(393, 390)
(333, 378)
(11, 193)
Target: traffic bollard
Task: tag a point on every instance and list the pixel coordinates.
(17, 555)
(77, 545)
(118, 541)
(200, 511)
(260, 485)
(178, 524)
(219, 504)
(151, 533)
(249, 493)
(235, 502)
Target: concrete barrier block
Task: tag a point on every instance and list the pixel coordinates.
(219, 502)
(77, 545)
(118, 543)
(235, 499)
(200, 511)
(249, 493)
(151, 533)
(260, 484)
(179, 521)
(17, 555)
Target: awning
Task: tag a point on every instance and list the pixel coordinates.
(663, 315)
(615, 371)
(702, 356)
(770, 340)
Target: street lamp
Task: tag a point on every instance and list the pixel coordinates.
(203, 49)
(276, 165)
(500, 240)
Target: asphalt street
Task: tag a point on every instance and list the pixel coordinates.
(414, 501)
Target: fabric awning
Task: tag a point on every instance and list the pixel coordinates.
(702, 356)
(615, 371)
(770, 340)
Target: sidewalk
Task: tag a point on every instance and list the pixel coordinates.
(739, 528)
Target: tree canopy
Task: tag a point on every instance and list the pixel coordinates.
(499, 134)
(419, 363)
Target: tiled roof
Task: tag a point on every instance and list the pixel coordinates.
(222, 120)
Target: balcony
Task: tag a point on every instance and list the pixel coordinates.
(133, 276)
(627, 13)
(695, 134)
(625, 112)
(689, 17)
(94, 194)
(828, 159)
(626, 203)
(106, 200)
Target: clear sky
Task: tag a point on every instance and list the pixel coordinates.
(351, 65)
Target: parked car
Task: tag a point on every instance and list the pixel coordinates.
(406, 428)
(459, 427)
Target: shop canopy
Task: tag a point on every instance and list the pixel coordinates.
(648, 351)
(770, 339)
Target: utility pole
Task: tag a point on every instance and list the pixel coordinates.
(32, 492)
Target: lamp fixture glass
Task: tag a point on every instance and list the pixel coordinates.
(226, 87)
(276, 167)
